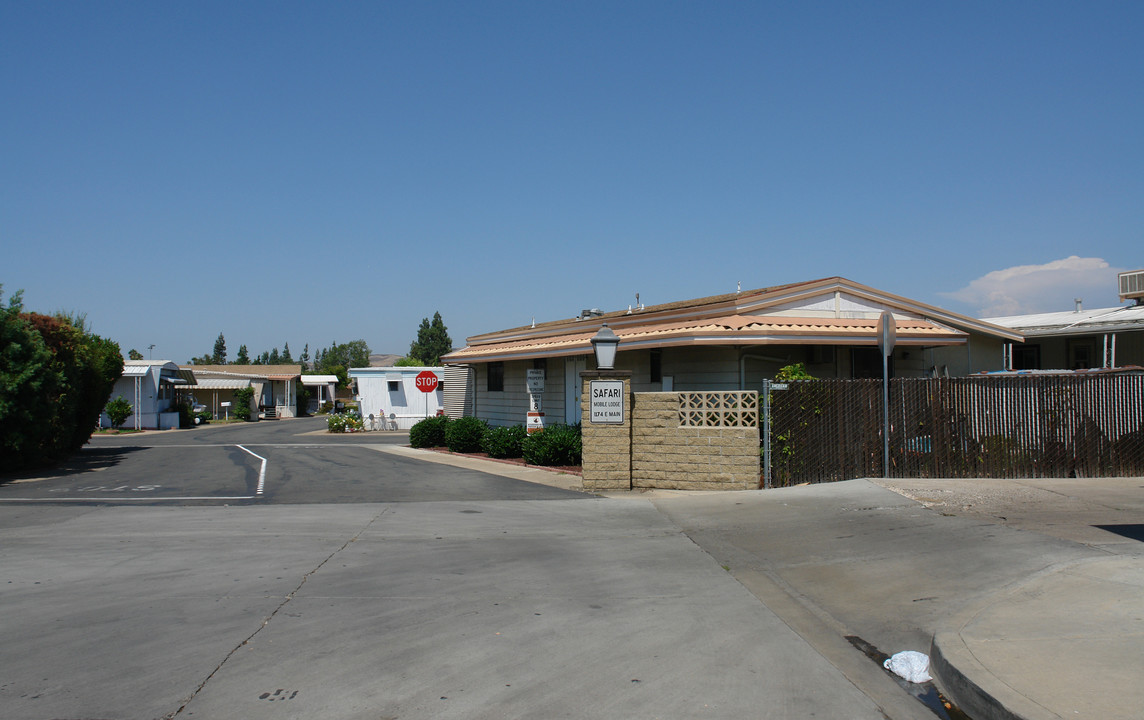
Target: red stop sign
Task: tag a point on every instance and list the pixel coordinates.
(426, 381)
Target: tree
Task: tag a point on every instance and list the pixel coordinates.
(408, 362)
(432, 341)
(273, 358)
(218, 357)
(134, 354)
(55, 378)
(118, 410)
(243, 357)
(304, 358)
(286, 359)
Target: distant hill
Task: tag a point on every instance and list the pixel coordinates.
(382, 360)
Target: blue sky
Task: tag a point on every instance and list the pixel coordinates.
(319, 172)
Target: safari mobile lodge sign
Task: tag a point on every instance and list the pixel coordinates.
(606, 404)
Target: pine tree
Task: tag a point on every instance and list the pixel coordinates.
(243, 357)
(273, 358)
(218, 357)
(286, 359)
(432, 341)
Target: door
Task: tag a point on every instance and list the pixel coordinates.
(572, 369)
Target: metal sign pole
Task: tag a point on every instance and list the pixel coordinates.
(887, 336)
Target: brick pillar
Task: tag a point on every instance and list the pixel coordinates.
(607, 463)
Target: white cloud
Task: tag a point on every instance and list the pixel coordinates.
(1050, 287)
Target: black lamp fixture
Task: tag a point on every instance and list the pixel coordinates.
(604, 344)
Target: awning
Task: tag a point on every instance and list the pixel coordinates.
(135, 370)
(319, 379)
(223, 383)
(394, 377)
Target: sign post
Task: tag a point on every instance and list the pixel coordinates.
(887, 336)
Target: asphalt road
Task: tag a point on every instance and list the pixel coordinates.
(268, 463)
(151, 579)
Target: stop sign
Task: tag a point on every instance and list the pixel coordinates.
(426, 381)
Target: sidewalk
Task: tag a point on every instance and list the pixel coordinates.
(1027, 608)
(1028, 595)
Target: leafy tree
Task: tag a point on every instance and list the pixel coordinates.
(432, 341)
(218, 357)
(243, 357)
(118, 410)
(352, 354)
(134, 354)
(285, 358)
(408, 362)
(55, 377)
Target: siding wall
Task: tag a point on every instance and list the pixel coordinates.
(716, 368)
(510, 406)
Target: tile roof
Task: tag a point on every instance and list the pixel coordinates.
(804, 313)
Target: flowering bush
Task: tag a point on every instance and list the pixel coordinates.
(345, 422)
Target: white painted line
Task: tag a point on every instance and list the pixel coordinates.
(261, 473)
(154, 498)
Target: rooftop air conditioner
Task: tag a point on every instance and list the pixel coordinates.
(1131, 285)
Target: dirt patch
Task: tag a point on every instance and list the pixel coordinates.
(519, 462)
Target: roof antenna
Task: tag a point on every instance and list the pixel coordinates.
(638, 306)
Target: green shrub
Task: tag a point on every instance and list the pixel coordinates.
(464, 435)
(186, 415)
(557, 445)
(504, 442)
(345, 422)
(242, 398)
(118, 410)
(325, 408)
(430, 432)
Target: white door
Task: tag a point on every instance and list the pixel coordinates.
(572, 369)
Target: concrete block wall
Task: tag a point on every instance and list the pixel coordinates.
(669, 456)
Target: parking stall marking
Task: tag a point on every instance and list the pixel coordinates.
(144, 488)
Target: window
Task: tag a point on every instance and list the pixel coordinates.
(656, 366)
(866, 362)
(1082, 354)
(394, 385)
(496, 377)
(1026, 357)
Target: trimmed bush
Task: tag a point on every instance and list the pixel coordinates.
(464, 435)
(118, 410)
(557, 445)
(504, 442)
(430, 432)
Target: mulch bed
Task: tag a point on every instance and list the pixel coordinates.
(567, 469)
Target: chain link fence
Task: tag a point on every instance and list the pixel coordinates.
(1009, 426)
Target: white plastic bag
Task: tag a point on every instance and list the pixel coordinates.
(909, 665)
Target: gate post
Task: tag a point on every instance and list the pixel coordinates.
(606, 429)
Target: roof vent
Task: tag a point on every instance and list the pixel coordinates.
(1131, 285)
